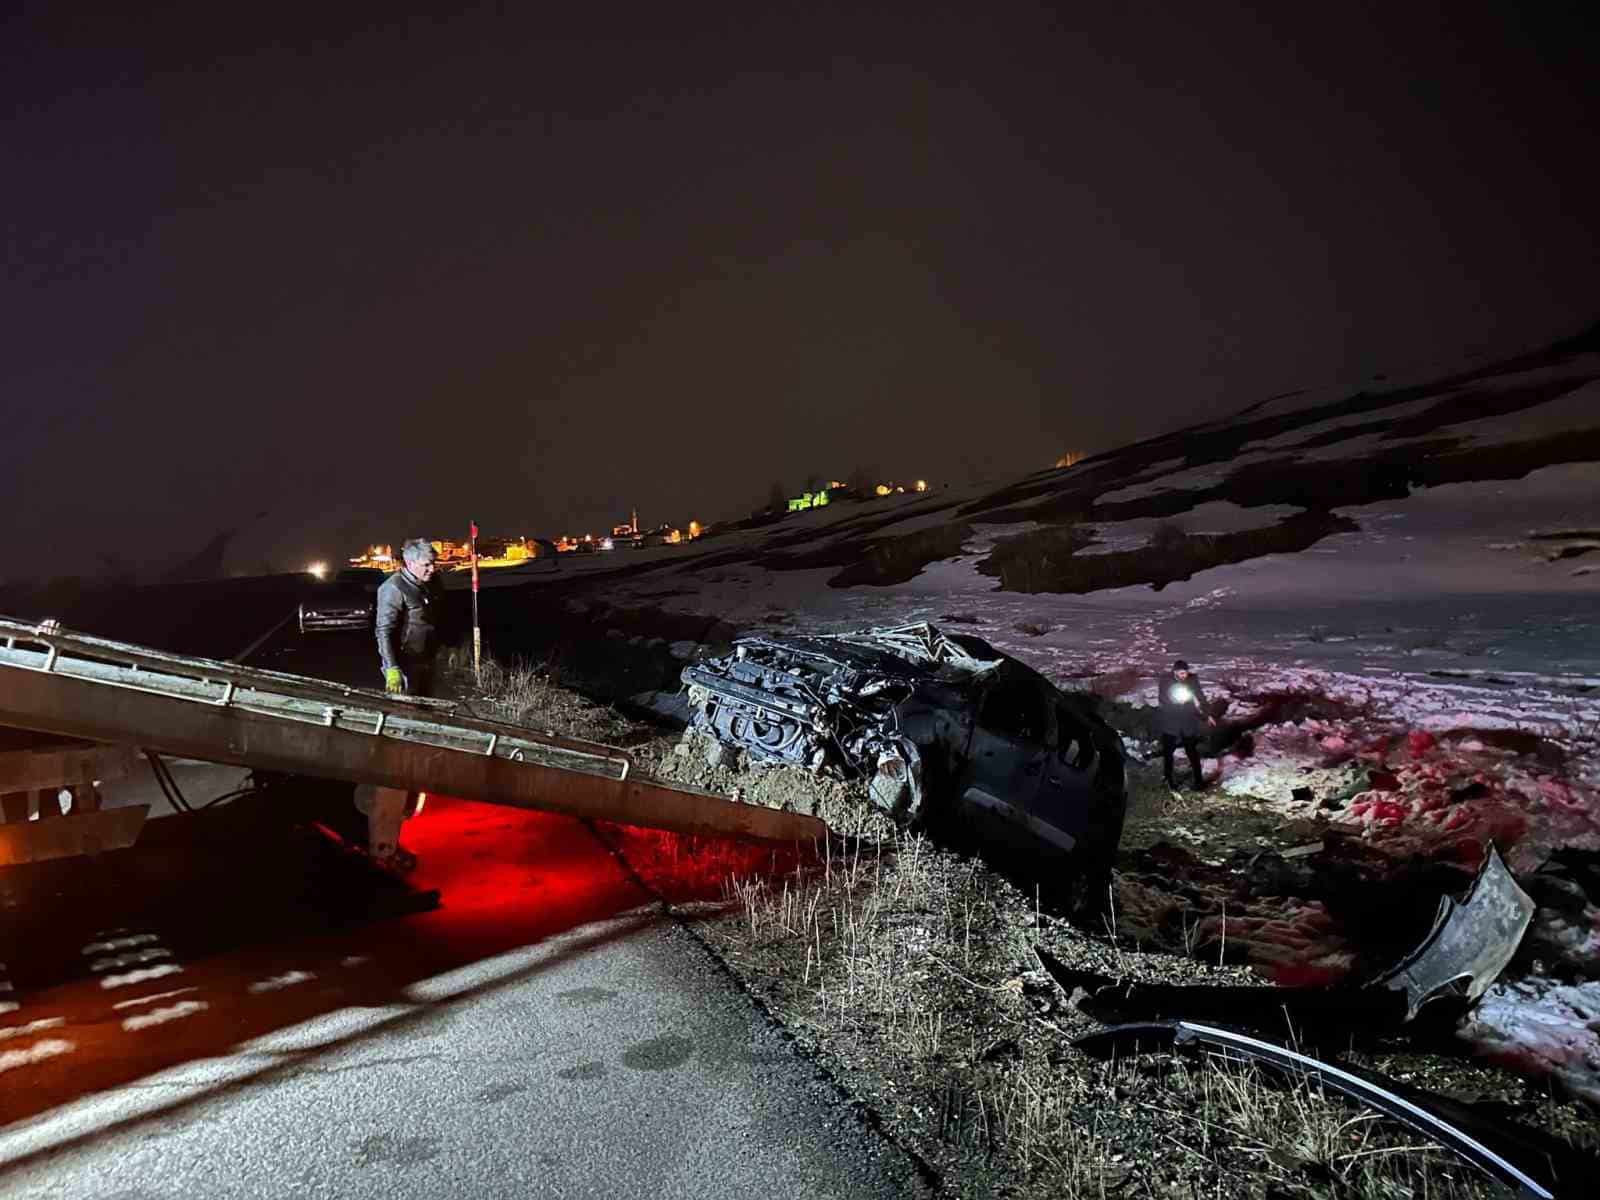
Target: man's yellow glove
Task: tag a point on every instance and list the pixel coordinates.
(393, 681)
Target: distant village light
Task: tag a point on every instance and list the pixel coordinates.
(922, 485)
(319, 569)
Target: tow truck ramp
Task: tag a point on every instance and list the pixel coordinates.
(55, 681)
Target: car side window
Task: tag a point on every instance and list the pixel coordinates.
(1015, 710)
(1074, 743)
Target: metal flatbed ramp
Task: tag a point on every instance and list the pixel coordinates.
(57, 681)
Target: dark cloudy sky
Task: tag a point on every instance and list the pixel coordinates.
(365, 273)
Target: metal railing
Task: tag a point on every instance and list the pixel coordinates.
(49, 649)
(57, 681)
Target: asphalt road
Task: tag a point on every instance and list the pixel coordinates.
(240, 1006)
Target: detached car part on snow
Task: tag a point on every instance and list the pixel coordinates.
(1470, 942)
(1464, 952)
(924, 714)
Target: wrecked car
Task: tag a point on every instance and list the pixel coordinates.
(947, 731)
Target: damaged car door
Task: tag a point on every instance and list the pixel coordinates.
(1007, 761)
(1081, 766)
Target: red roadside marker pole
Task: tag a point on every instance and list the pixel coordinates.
(477, 636)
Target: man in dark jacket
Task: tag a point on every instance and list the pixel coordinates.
(1182, 719)
(407, 622)
(407, 625)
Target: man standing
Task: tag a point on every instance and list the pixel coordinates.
(407, 622)
(407, 627)
(1183, 717)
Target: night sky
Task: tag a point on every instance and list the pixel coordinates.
(348, 275)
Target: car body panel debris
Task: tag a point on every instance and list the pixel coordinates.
(923, 714)
(1534, 1164)
(1320, 1016)
(1470, 943)
(1468, 946)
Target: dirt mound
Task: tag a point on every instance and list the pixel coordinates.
(699, 761)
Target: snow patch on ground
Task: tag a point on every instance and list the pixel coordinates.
(1541, 1027)
(1212, 517)
(279, 982)
(1195, 479)
(163, 1016)
(133, 977)
(38, 1052)
(16, 1031)
(125, 943)
(137, 1001)
(1287, 441)
(117, 961)
(1576, 410)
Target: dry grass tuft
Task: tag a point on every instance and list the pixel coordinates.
(521, 692)
(911, 969)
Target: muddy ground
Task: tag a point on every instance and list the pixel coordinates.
(911, 972)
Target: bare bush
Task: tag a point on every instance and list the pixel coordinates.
(522, 692)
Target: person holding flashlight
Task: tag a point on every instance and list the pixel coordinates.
(1182, 718)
